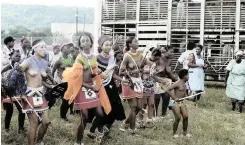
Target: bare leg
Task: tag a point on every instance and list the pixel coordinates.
(240, 104)
(9, 112)
(151, 106)
(32, 128)
(82, 126)
(97, 120)
(177, 115)
(133, 111)
(44, 126)
(184, 113)
(233, 102)
(157, 101)
(21, 117)
(142, 112)
(165, 102)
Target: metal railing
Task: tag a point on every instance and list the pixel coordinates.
(186, 15)
(220, 14)
(242, 17)
(118, 10)
(153, 9)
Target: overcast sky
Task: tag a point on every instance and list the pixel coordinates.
(79, 3)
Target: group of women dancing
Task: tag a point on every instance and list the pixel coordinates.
(97, 85)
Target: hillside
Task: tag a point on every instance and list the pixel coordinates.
(40, 16)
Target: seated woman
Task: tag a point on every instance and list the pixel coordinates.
(235, 81)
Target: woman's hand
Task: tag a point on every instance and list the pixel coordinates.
(17, 66)
(175, 99)
(124, 81)
(23, 98)
(205, 66)
(95, 89)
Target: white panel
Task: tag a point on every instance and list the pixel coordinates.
(146, 42)
(152, 28)
(152, 35)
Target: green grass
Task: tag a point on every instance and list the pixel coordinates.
(211, 123)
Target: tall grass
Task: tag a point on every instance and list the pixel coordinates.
(210, 123)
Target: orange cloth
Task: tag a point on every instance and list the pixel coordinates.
(74, 77)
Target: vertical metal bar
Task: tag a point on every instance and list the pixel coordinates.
(238, 14)
(137, 17)
(113, 33)
(125, 10)
(159, 9)
(114, 10)
(202, 22)
(169, 22)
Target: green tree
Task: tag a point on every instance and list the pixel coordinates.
(19, 31)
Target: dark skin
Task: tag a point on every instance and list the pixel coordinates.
(179, 92)
(192, 59)
(106, 48)
(65, 52)
(15, 58)
(163, 69)
(86, 44)
(10, 45)
(238, 60)
(129, 69)
(26, 45)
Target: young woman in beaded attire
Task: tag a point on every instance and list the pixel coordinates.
(131, 67)
(161, 72)
(107, 64)
(35, 69)
(85, 87)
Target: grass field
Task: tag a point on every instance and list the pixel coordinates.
(211, 123)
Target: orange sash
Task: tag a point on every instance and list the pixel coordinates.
(74, 77)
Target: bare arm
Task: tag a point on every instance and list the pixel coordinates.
(169, 73)
(115, 76)
(6, 68)
(159, 79)
(24, 65)
(47, 84)
(170, 88)
(56, 66)
(123, 70)
(192, 65)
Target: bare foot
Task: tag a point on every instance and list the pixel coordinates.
(175, 136)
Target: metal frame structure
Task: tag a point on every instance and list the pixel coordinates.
(218, 25)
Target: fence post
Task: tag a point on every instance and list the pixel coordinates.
(238, 14)
(169, 22)
(202, 22)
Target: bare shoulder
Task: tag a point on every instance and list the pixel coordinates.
(177, 84)
(79, 58)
